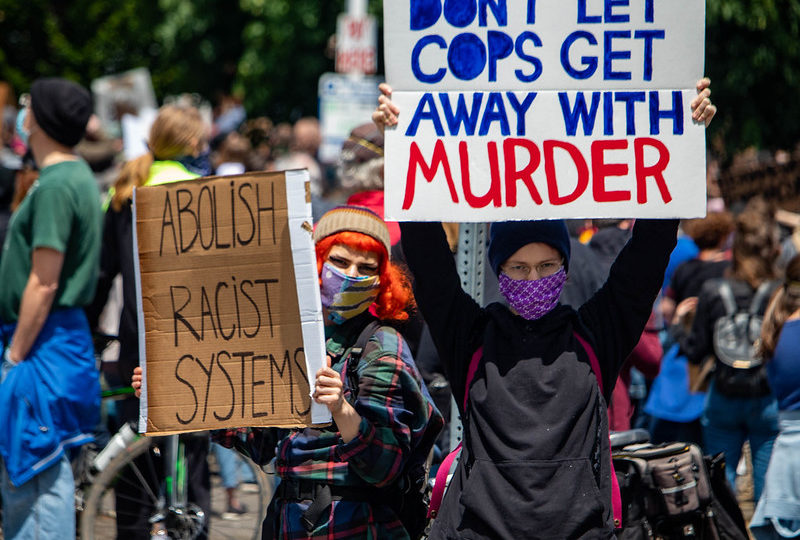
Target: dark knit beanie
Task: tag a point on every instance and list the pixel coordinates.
(506, 237)
(355, 219)
(61, 108)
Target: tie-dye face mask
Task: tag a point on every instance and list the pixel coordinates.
(346, 297)
(532, 299)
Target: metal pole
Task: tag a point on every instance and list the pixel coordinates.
(470, 263)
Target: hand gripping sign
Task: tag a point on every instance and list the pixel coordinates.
(523, 109)
(230, 324)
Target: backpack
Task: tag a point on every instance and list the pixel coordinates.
(739, 371)
(736, 332)
(671, 491)
(413, 488)
(441, 481)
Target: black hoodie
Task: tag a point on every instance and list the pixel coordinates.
(536, 457)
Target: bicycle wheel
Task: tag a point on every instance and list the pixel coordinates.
(130, 479)
(254, 495)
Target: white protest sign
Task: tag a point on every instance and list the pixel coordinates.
(345, 102)
(518, 109)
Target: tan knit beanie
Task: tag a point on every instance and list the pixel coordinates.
(354, 219)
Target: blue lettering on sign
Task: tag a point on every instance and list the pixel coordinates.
(531, 18)
(495, 112)
(676, 113)
(424, 13)
(460, 13)
(648, 36)
(466, 56)
(630, 99)
(426, 110)
(499, 10)
(610, 55)
(610, 17)
(589, 62)
(608, 113)
(415, 67)
(500, 46)
(467, 113)
(535, 62)
(586, 19)
(648, 11)
(521, 109)
(572, 115)
(460, 117)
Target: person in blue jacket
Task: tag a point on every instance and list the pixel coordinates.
(49, 394)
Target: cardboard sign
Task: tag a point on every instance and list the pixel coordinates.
(518, 109)
(230, 327)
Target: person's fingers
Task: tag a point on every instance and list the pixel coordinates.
(703, 83)
(699, 98)
(709, 114)
(385, 89)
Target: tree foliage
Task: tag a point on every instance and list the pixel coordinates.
(753, 59)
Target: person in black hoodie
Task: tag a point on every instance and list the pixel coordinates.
(535, 462)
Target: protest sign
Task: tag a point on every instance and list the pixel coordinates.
(230, 321)
(345, 102)
(518, 109)
(115, 96)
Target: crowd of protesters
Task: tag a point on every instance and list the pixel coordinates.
(640, 302)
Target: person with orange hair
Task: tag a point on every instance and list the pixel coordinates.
(355, 478)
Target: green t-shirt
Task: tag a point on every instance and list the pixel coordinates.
(62, 212)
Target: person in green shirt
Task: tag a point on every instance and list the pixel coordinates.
(49, 389)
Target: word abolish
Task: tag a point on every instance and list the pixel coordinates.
(193, 220)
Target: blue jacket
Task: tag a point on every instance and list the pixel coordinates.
(51, 400)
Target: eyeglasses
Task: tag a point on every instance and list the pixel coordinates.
(519, 272)
(24, 100)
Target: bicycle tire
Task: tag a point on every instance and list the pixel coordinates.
(256, 499)
(98, 521)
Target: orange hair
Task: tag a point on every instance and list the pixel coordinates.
(395, 296)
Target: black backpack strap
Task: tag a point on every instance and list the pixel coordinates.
(760, 297)
(727, 297)
(354, 356)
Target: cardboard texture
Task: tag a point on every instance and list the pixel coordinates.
(536, 110)
(230, 318)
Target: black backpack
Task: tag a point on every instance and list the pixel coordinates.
(671, 491)
(414, 491)
(739, 371)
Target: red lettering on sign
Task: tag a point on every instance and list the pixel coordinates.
(550, 172)
(493, 195)
(417, 160)
(602, 170)
(656, 171)
(355, 27)
(513, 175)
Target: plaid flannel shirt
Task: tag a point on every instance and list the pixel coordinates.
(398, 422)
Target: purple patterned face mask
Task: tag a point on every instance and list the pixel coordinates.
(532, 299)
